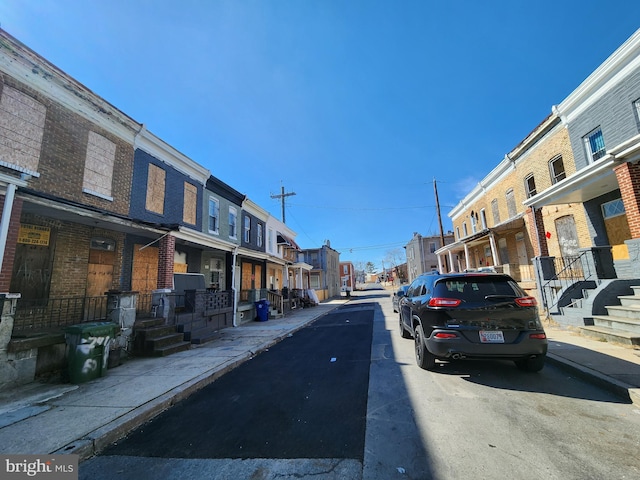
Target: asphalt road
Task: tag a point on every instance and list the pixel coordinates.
(344, 399)
(304, 398)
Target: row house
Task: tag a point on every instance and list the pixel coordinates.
(492, 226)
(324, 270)
(347, 277)
(421, 254)
(101, 219)
(561, 211)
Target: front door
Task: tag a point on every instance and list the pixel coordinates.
(145, 269)
(100, 272)
(567, 236)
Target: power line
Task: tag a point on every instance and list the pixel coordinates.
(373, 209)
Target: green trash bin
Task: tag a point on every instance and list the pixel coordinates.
(88, 349)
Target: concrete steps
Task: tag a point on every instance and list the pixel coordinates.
(621, 324)
(152, 338)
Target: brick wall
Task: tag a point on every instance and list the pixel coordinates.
(174, 193)
(628, 176)
(64, 152)
(167, 246)
(533, 161)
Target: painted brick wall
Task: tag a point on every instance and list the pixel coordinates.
(174, 192)
(253, 235)
(614, 113)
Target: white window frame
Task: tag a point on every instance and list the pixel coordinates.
(233, 223)
(216, 216)
(527, 185)
(555, 178)
(483, 218)
(594, 155)
(260, 234)
(247, 228)
(619, 205)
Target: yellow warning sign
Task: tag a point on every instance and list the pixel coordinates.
(34, 235)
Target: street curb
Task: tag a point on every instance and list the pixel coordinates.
(621, 389)
(97, 440)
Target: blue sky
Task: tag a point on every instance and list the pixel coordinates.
(356, 106)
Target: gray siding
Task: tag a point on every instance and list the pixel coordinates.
(614, 113)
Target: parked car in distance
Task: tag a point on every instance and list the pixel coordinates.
(397, 295)
(472, 316)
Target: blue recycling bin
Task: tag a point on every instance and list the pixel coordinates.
(262, 310)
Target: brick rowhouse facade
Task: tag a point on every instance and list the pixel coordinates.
(165, 261)
(628, 176)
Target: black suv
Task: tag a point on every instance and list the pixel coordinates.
(472, 315)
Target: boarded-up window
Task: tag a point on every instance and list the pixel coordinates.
(155, 189)
(21, 129)
(495, 211)
(98, 166)
(189, 207)
(511, 203)
(247, 276)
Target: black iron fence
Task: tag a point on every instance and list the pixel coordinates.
(52, 314)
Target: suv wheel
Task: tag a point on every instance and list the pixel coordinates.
(534, 364)
(424, 358)
(403, 331)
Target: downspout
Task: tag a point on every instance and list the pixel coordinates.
(6, 219)
(233, 287)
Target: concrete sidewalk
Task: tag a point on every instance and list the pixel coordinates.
(83, 419)
(611, 366)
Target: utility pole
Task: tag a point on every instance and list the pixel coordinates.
(435, 189)
(282, 197)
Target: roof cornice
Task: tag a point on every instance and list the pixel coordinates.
(620, 64)
(153, 145)
(23, 64)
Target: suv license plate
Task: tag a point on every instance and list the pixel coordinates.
(493, 336)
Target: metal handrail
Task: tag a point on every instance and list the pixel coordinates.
(567, 271)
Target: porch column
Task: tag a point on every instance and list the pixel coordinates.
(466, 257)
(167, 248)
(440, 265)
(628, 176)
(537, 232)
(451, 260)
(494, 250)
(9, 227)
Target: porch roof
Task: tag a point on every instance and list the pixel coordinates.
(513, 223)
(286, 240)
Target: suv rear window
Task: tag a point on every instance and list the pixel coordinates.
(475, 288)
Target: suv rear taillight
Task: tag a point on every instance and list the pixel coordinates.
(444, 302)
(526, 301)
(537, 336)
(445, 335)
